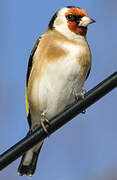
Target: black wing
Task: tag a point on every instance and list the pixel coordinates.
(30, 62)
(88, 73)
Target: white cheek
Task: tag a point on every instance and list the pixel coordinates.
(61, 25)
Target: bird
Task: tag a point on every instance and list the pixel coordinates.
(58, 67)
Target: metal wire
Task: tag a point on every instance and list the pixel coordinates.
(29, 141)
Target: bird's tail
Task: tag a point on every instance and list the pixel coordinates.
(29, 161)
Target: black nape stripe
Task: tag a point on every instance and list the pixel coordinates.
(51, 23)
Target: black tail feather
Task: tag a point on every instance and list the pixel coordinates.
(30, 168)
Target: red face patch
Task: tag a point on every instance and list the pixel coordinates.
(73, 25)
(77, 30)
(76, 11)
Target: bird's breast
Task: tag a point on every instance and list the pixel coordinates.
(61, 79)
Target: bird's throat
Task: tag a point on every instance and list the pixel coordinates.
(73, 27)
(81, 31)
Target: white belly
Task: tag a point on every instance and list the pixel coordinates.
(58, 85)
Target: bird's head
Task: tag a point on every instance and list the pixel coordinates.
(71, 21)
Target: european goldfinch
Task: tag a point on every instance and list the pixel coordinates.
(58, 66)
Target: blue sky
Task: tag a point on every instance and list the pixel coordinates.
(86, 147)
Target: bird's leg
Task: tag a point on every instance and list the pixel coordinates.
(80, 96)
(83, 92)
(44, 120)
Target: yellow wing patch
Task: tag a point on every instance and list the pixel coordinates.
(26, 102)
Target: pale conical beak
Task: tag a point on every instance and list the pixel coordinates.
(85, 21)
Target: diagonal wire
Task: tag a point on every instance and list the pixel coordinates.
(55, 123)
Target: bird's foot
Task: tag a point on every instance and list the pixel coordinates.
(80, 96)
(83, 90)
(43, 121)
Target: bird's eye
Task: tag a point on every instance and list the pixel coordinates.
(71, 17)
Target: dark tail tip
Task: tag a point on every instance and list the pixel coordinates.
(28, 169)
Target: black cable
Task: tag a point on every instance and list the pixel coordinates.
(29, 141)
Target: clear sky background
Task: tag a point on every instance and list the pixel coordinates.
(86, 147)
